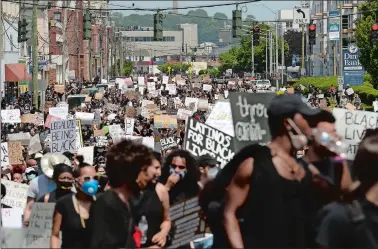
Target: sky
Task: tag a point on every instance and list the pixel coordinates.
(262, 11)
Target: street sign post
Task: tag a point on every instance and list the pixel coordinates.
(301, 16)
(340, 83)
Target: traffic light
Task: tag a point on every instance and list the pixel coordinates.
(22, 31)
(87, 26)
(256, 35)
(158, 27)
(236, 23)
(312, 34)
(374, 34)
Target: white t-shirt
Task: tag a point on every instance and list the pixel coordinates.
(39, 186)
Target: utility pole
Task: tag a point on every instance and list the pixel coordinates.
(114, 51)
(334, 59)
(266, 54)
(277, 84)
(35, 53)
(65, 3)
(121, 54)
(303, 50)
(101, 47)
(253, 57)
(270, 53)
(78, 42)
(1, 54)
(282, 57)
(89, 52)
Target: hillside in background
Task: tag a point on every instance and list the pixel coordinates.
(208, 26)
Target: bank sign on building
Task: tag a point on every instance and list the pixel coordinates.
(353, 71)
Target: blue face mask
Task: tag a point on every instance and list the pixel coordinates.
(31, 176)
(180, 174)
(90, 187)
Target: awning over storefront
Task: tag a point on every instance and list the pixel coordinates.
(16, 72)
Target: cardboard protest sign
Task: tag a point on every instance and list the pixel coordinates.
(11, 116)
(97, 133)
(15, 153)
(186, 222)
(99, 96)
(48, 104)
(16, 194)
(351, 125)
(131, 112)
(36, 119)
(165, 121)
(201, 139)
(88, 99)
(59, 88)
(168, 143)
(250, 118)
(132, 95)
(206, 87)
(63, 136)
(38, 233)
(87, 153)
(4, 155)
(183, 114)
(34, 145)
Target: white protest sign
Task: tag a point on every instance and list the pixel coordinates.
(4, 155)
(11, 116)
(16, 194)
(375, 106)
(11, 217)
(183, 114)
(87, 153)
(165, 80)
(117, 133)
(85, 117)
(141, 81)
(151, 86)
(349, 91)
(23, 137)
(206, 87)
(221, 118)
(62, 104)
(38, 233)
(12, 237)
(171, 88)
(34, 145)
(147, 141)
(129, 126)
(351, 125)
(63, 136)
(101, 141)
(59, 112)
(181, 82)
(192, 103)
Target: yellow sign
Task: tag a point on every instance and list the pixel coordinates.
(190, 69)
(169, 68)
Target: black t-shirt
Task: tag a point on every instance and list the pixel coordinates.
(74, 235)
(336, 229)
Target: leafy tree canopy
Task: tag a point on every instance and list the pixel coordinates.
(369, 53)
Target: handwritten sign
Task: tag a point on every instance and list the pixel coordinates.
(117, 133)
(221, 118)
(63, 136)
(16, 194)
(87, 153)
(4, 155)
(168, 143)
(11, 116)
(36, 119)
(129, 126)
(201, 139)
(59, 112)
(165, 121)
(34, 145)
(11, 217)
(351, 125)
(38, 233)
(250, 118)
(15, 152)
(101, 141)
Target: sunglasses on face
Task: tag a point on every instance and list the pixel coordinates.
(173, 166)
(88, 178)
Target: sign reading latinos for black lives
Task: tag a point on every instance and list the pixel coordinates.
(187, 224)
(250, 118)
(351, 125)
(167, 143)
(63, 136)
(201, 139)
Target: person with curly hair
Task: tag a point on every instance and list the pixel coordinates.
(180, 176)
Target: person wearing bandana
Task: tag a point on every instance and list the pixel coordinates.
(63, 177)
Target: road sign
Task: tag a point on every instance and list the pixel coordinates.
(340, 83)
(301, 16)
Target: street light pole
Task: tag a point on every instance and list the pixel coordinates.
(277, 83)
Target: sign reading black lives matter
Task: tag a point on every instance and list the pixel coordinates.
(201, 139)
(63, 136)
(250, 118)
(168, 143)
(187, 224)
(351, 125)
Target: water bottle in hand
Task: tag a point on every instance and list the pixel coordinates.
(143, 227)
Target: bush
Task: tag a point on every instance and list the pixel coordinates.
(367, 92)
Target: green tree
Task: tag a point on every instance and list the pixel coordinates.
(229, 59)
(175, 67)
(369, 53)
(127, 68)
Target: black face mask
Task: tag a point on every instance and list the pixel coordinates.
(64, 186)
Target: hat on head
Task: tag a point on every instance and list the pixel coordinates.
(49, 160)
(286, 106)
(207, 160)
(38, 155)
(30, 170)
